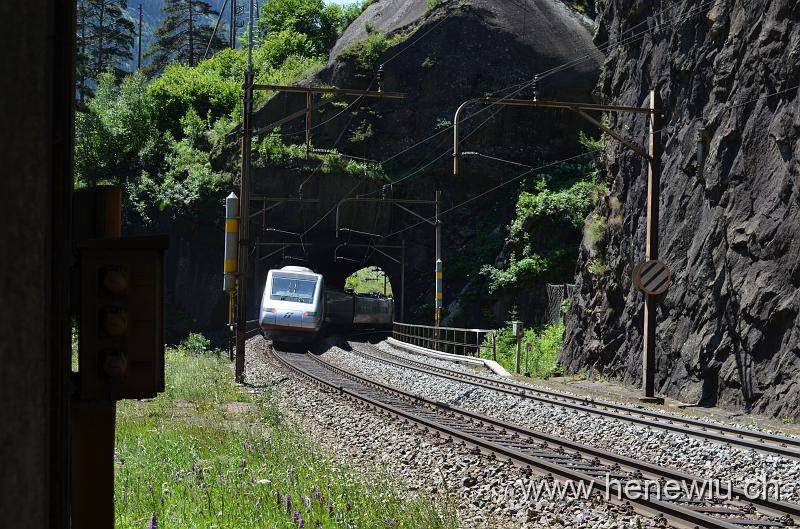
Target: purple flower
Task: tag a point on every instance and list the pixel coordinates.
(308, 502)
(295, 516)
(288, 502)
(153, 522)
(349, 506)
(330, 507)
(247, 445)
(277, 497)
(162, 500)
(315, 493)
(301, 523)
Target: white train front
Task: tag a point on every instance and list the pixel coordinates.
(296, 306)
(293, 304)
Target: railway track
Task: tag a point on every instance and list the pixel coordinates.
(609, 474)
(739, 437)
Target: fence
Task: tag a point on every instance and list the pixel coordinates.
(448, 339)
(556, 294)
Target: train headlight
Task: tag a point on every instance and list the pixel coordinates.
(308, 314)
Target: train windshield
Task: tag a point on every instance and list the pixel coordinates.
(287, 288)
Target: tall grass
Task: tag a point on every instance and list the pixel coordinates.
(205, 455)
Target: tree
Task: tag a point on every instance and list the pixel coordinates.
(105, 40)
(319, 23)
(183, 34)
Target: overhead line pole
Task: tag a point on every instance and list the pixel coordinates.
(244, 208)
(653, 156)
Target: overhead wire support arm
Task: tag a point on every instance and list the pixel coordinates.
(330, 90)
(579, 108)
(651, 153)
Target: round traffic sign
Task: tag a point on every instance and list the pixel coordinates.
(652, 277)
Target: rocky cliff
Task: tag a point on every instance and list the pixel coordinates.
(729, 327)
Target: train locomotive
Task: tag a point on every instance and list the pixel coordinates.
(296, 306)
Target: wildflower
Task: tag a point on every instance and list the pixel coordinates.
(349, 506)
(277, 497)
(247, 445)
(308, 502)
(162, 500)
(315, 493)
(288, 502)
(295, 516)
(330, 507)
(301, 523)
(153, 522)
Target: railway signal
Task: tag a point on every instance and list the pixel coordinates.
(121, 340)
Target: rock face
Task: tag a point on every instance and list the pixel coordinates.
(729, 327)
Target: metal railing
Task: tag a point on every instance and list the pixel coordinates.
(468, 342)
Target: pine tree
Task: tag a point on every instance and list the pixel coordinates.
(105, 41)
(183, 34)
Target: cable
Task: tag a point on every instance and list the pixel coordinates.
(588, 152)
(491, 190)
(521, 86)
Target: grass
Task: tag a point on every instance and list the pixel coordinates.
(206, 455)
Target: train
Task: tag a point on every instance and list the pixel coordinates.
(297, 306)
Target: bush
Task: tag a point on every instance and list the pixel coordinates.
(545, 345)
(207, 88)
(544, 234)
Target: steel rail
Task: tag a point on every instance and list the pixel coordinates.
(519, 445)
(763, 442)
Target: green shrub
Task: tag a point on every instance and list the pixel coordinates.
(545, 342)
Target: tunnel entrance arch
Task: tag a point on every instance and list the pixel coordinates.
(370, 280)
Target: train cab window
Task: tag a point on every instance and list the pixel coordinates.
(299, 290)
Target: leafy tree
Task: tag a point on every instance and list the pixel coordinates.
(183, 35)
(116, 125)
(105, 39)
(319, 24)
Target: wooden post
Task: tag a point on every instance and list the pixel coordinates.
(651, 247)
(93, 422)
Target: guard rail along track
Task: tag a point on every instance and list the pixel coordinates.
(550, 456)
(739, 437)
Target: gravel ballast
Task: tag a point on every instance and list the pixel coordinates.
(696, 456)
(485, 492)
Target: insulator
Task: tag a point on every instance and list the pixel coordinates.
(380, 78)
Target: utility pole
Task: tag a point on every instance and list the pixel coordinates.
(139, 54)
(651, 246)
(244, 207)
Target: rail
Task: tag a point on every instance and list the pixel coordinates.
(466, 342)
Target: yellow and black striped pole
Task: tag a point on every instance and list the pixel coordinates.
(231, 265)
(439, 295)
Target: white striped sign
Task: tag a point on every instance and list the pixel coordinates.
(652, 277)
